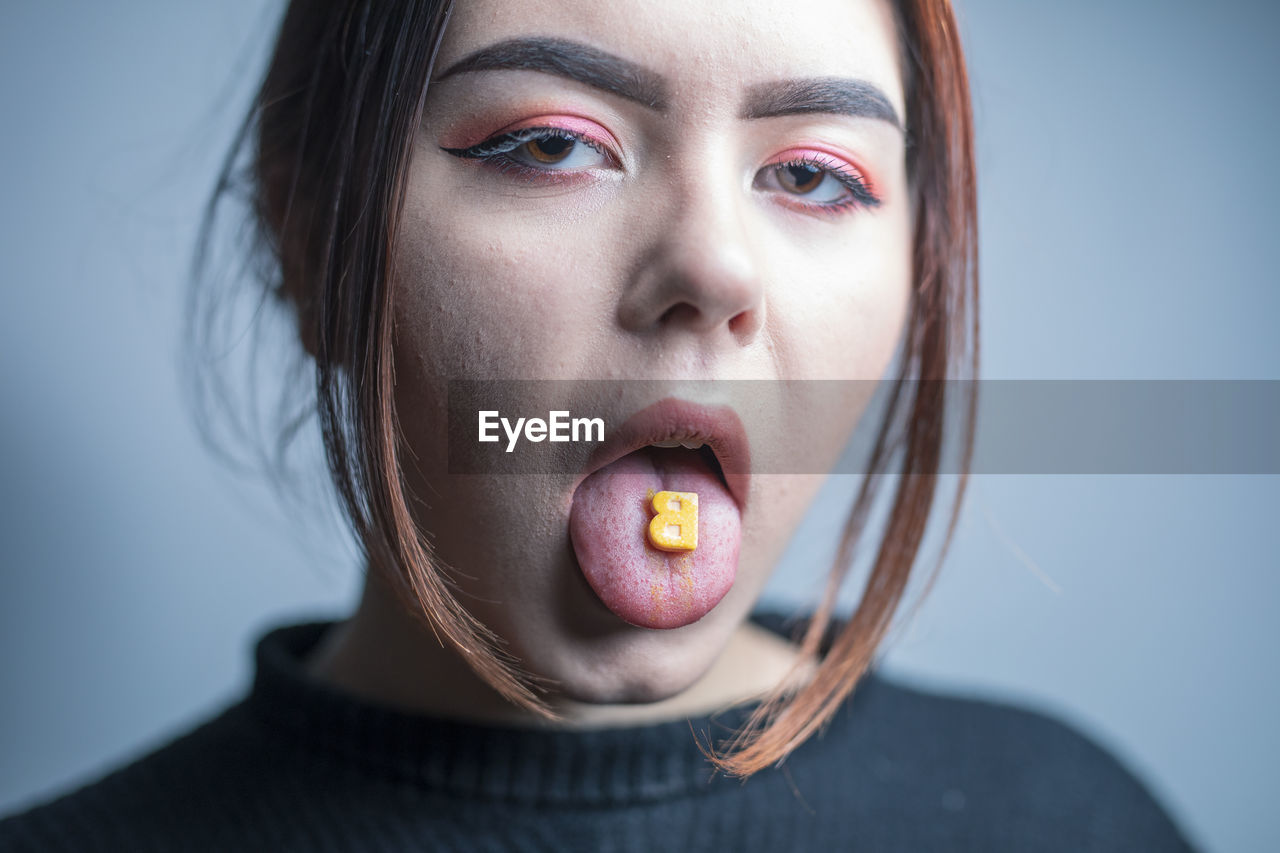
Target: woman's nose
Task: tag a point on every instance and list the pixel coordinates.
(700, 272)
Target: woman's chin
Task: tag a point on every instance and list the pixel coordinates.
(627, 666)
(665, 677)
(628, 685)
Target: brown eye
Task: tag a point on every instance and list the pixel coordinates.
(542, 149)
(549, 149)
(813, 182)
(800, 178)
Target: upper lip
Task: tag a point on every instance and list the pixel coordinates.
(672, 419)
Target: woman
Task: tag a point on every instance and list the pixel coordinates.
(617, 201)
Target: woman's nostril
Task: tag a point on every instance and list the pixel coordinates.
(686, 314)
(745, 322)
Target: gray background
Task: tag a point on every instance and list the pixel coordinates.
(1128, 184)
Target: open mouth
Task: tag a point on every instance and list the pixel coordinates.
(714, 432)
(704, 452)
(672, 446)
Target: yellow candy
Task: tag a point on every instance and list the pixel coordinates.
(675, 527)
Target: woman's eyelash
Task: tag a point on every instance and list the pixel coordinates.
(859, 190)
(505, 143)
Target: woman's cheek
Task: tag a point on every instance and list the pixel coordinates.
(849, 320)
(492, 302)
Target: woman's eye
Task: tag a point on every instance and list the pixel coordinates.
(808, 180)
(561, 151)
(539, 148)
(817, 183)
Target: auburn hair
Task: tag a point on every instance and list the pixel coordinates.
(321, 161)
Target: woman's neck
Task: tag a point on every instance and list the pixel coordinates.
(386, 656)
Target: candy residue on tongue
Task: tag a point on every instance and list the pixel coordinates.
(641, 584)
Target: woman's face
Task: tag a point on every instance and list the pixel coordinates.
(625, 191)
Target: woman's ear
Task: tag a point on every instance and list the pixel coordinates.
(287, 216)
(307, 334)
(296, 290)
(297, 299)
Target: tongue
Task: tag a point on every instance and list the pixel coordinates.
(641, 584)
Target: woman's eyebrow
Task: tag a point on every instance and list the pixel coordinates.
(610, 73)
(577, 61)
(838, 95)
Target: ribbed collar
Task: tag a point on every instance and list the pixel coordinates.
(596, 767)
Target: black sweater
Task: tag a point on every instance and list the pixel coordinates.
(297, 765)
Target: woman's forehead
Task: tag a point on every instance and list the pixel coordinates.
(709, 51)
